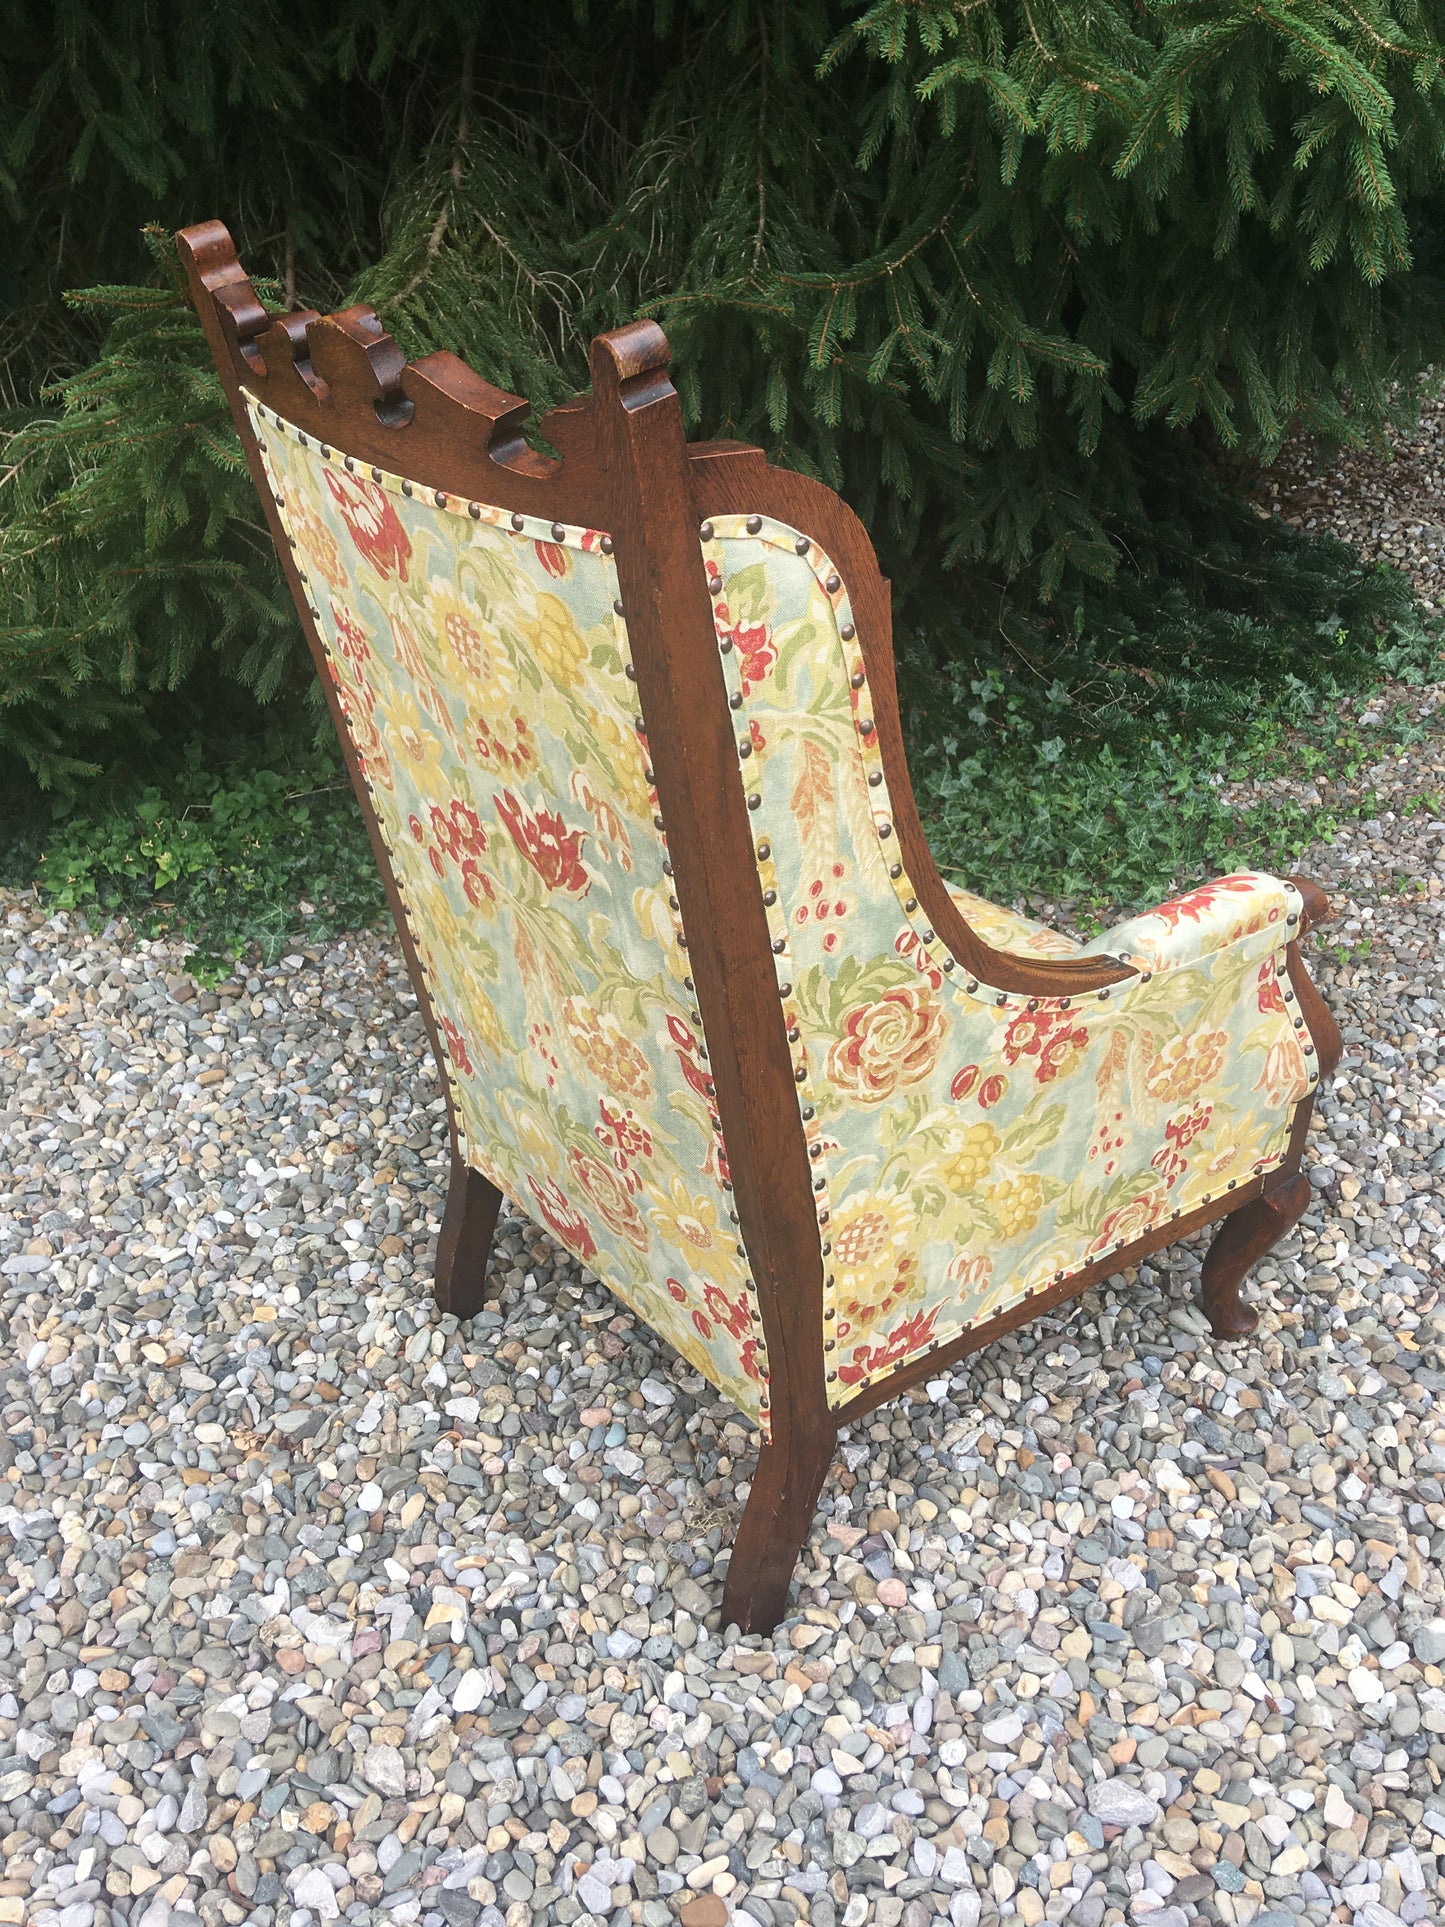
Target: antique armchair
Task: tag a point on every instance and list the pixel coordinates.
(624, 730)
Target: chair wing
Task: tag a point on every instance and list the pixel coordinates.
(974, 1145)
(482, 666)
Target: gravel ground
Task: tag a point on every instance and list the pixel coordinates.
(318, 1604)
(1391, 507)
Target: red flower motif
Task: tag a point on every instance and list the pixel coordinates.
(1270, 997)
(704, 1329)
(1130, 1220)
(476, 884)
(963, 1082)
(1050, 1035)
(518, 756)
(748, 1359)
(457, 1047)
(363, 696)
(552, 557)
(732, 1314)
(992, 1089)
(1179, 1133)
(1184, 1130)
(622, 1135)
(554, 851)
(564, 1218)
(907, 945)
(676, 1291)
(444, 829)
(1195, 905)
(609, 1195)
(912, 1335)
(757, 652)
(468, 827)
(678, 1031)
(372, 522)
(351, 638)
(888, 1044)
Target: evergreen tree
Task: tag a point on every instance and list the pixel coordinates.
(989, 267)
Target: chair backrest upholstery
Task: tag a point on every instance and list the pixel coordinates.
(482, 665)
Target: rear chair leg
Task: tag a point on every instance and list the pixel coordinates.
(465, 1240)
(1240, 1242)
(789, 1476)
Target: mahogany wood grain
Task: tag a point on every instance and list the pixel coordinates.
(691, 746)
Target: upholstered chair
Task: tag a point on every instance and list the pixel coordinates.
(623, 726)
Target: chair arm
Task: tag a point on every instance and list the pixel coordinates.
(1316, 907)
(1208, 919)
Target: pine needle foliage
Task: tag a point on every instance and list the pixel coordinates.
(136, 554)
(990, 267)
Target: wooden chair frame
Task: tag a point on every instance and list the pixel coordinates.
(625, 466)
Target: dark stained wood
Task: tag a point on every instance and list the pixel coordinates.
(1241, 1241)
(464, 1242)
(774, 1526)
(1326, 1044)
(1316, 908)
(624, 467)
(690, 743)
(342, 379)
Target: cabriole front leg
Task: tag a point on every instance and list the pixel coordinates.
(789, 1476)
(1240, 1242)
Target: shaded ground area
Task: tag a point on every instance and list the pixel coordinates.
(1391, 508)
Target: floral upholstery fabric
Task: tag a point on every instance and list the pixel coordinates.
(1006, 930)
(482, 668)
(1196, 924)
(974, 1147)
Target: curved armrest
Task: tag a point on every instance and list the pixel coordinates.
(1315, 906)
(1205, 920)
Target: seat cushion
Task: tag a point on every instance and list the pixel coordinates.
(1007, 930)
